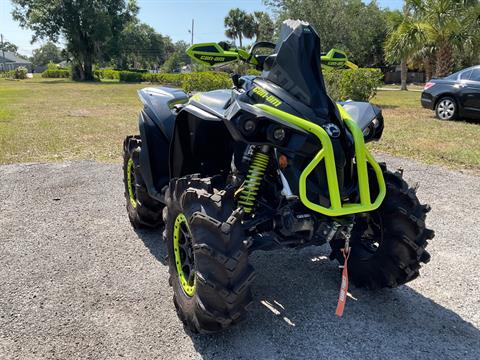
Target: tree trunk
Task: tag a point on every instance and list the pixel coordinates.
(403, 74)
(77, 72)
(444, 59)
(429, 65)
(88, 68)
(240, 40)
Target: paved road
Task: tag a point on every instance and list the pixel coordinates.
(77, 282)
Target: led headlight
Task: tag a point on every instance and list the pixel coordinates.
(249, 126)
(366, 131)
(279, 134)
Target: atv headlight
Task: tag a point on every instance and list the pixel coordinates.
(374, 129)
(276, 134)
(249, 126)
(279, 134)
(366, 132)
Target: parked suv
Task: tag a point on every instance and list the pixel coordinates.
(454, 96)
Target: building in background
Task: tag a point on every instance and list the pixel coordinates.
(10, 61)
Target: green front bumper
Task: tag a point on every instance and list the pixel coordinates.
(362, 157)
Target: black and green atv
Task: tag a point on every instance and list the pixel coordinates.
(271, 163)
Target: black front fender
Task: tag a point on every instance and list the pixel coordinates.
(154, 156)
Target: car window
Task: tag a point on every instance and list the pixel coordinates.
(454, 76)
(475, 76)
(465, 75)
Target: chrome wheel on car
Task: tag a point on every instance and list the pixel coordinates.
(446, 109)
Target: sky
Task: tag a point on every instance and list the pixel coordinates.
(168, 17)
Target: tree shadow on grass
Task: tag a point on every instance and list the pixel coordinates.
(51, 81)
(458, 120)
(295, 295)
(93, 82)
(386, 106)
(471, 121)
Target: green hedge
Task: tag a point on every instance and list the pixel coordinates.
(10, 74)
(254, 72)
(165, 78)
(205, 81)
(19, 73)
(196, 81)
(109, 74)
(130, 76)
(357, 85)
(58, 73)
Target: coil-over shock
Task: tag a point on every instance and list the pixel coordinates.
(253, 179)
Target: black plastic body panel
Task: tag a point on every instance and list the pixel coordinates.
(215, 102)
(154, 156)
(201, 144)
(156, 125)
(363, 113)
(158, 104)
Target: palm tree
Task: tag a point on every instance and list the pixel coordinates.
(239, 24)
(249, 27)
(264, 27)
(439, 25)
(424, 59)
(403, 43)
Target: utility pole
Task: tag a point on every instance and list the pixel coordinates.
(193, 26)
(191, 32)
(3, 55)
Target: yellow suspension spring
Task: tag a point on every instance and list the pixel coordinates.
(253, 181)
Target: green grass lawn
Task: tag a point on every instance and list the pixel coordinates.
(50, 119)
(55, 120)
(414, 132)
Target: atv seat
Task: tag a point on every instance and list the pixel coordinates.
(214, 102)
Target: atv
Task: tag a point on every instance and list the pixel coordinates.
(271, 163)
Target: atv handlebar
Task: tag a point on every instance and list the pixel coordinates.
(217, 54)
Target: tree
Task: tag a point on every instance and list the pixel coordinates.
(46, 54)
(439, 27)
(350, 25)
(8, 46)
(140, 46)
(401, 44)
(263, 26)
(239, 24)
(88, 26)
(177, 57)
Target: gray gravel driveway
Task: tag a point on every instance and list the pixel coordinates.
(77, 282)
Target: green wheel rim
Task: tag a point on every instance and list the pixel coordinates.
(184, 260)
(130, 185)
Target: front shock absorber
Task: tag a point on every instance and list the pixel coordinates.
(253, 180)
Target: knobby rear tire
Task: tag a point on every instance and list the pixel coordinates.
(145, 211)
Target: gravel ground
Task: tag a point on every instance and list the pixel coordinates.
(77, 282)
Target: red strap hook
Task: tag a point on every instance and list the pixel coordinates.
(342, 296)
